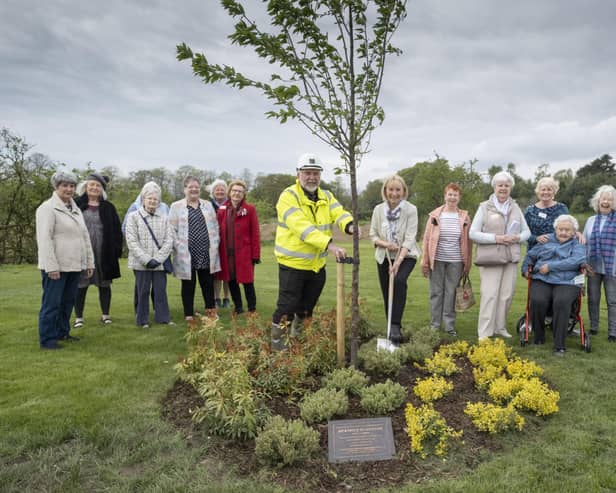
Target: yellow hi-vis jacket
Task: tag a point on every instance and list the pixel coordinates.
(305, 227)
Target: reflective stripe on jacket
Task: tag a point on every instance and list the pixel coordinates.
(305, 227)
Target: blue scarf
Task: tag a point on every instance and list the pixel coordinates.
(603, 243)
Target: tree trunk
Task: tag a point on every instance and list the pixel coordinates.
(355, 277)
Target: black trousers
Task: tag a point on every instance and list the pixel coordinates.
(206, 281)
(400, 288)
(558, 297)
(298, 292)
(236, 296)
(104, 298)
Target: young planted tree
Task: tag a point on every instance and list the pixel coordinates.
(331, 58)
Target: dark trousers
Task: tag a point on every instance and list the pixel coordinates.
(400, 288)
(56, 306)
(104, 298)
(298, 292)
(156, 280)
(236, 296)
(206, 281)
(559, 297)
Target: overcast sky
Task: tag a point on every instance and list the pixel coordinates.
(528, 82)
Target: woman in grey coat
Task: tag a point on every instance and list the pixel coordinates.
(149, 237)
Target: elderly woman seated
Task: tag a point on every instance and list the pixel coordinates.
(554, 266)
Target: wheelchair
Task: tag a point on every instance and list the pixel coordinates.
(524, 327)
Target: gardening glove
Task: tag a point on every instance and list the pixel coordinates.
(256, 261)
(152, 264)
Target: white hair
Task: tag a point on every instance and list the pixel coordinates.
(567, 217)
(81, 189)
(215, 183)
(149, 188)
(502, 176)
(603, 189)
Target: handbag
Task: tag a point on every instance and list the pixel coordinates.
(464, 294)
(167, 264)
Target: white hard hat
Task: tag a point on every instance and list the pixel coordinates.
(309, 162)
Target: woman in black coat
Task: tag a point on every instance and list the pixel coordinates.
(105, 232)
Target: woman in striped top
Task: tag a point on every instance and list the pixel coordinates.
(446, 256)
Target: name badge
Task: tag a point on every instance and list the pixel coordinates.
(542, 215)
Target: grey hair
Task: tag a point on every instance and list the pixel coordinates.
(502, 176)
(215, 183)
(547, 181)
(149, 188)
(594, 201)
(81, 189)
(567, 217)
(62, 176)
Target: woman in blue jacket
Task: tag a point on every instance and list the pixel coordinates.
(554, 268)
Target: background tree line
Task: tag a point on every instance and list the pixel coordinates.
(25, 184)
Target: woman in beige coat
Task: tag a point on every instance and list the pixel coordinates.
(393, 230)
(64, 252)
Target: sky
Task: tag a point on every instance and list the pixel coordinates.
(526, 82)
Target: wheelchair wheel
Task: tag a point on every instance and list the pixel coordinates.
(586, 342)
(521, 328)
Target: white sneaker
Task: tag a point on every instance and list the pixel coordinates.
(505, 334)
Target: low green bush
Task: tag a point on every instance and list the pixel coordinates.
(282, 443)
(348, 379)
(382, 398)
(379, 362)
(415, 352)
(323, 404)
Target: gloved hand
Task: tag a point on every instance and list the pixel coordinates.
(152, 264)
(256, 261)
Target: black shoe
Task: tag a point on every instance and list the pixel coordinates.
(611, 338)
(226, 303)
(70, 338)
(594, 332)
(51, 345)
(395, 335)
(539, 342)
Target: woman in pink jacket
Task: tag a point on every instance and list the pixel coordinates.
(446, 257)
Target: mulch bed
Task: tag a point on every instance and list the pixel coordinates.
(318, 475)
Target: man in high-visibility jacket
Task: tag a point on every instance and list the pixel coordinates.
(306, 216)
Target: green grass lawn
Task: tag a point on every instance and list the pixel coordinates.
(88, 418)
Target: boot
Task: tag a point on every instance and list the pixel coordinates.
(278, 334)
(395, 335)
(296, 326)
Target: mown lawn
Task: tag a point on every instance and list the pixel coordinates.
(88, 418)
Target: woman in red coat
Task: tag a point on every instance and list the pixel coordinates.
(240, 247)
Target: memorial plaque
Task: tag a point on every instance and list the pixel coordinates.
(360, 440)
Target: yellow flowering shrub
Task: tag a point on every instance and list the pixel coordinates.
(428, 431)
(432, 388)
(485, 375)
(489, 353)
(454, 349)
(492, 418)
(523, 368)
(439, 364)
(537, 397)
(503, 389)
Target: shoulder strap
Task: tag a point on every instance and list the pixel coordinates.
(150, 229)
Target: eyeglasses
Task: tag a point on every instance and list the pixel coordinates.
(236, 191)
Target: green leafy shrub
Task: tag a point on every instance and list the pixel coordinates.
(379, 362)
(323, 404)
(382, 398)
(348, 379)
(424, 335)
(415, 352)
(282, 443)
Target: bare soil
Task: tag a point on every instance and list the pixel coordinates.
(318, 475)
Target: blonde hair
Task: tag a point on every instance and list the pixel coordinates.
(397, 178)
(232, 183)
(547, 181)
(603, 189)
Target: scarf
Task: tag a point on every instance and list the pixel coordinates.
(503, 207)
(393, 216)
(603, 242)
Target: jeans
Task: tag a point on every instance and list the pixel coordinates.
(56, 306)
(443, 282)
(594, 299)
(157, 281)
(400, 287)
